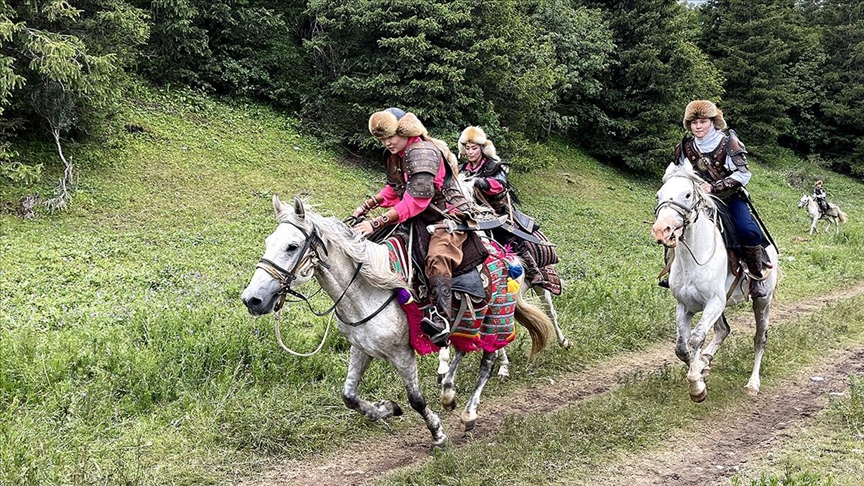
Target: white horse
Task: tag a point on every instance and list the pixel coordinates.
(700, 278)
(834, 214)
(356, 274)
(466, 186)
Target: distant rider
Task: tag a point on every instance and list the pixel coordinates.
(821, 197)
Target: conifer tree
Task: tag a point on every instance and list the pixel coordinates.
(657, 70)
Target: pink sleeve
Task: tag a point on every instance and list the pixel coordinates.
(388, 196)
(495, 187)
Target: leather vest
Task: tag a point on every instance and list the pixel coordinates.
(495, 170)
(712, 165)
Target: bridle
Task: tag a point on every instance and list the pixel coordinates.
(309, 260)
(685, 212)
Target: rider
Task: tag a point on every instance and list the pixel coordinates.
(821, 197)
(720, 159)
(421, 185)
(493, 189)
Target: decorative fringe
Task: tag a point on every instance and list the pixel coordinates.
(512, 286)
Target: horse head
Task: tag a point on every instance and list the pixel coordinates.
(289, 260)
(677, 200)
(805, 200)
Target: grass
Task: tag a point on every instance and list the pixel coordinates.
(127, 356)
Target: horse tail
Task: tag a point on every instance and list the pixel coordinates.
(534, 319)
(842, 216)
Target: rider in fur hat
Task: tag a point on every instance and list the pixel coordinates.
(720, 159)
(421, 186)
(492, 189)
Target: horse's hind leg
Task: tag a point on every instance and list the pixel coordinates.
(448, 391)
(357, 364)
(761, 309)
(553, 314)
(721, 331)
(503, 365)
(469, 415)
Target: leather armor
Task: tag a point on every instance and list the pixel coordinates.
(421, 163)
(712, 165)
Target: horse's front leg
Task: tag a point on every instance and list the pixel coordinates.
(469, 415)
(710, 314)
(813, 226)
(358, 362)
(721, 331)
(406, 365)
(448, 390)
(683, 319)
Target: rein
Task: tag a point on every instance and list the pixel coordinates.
(309, 260)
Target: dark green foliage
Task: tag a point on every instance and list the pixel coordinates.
(761, 49)
(657, 71)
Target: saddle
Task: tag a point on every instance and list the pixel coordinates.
(478, 293)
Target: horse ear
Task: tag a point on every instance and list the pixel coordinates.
(672, 167)
(298, 208)
(277, 206)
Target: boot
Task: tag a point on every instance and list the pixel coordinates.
(533, 276)
(753, 259)
(437, 325)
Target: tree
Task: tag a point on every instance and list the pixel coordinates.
(657, 70)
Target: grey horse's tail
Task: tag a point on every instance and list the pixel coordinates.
(841, 216)
(534, 319)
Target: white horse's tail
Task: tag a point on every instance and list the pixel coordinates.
(534, 319)
(841, 216)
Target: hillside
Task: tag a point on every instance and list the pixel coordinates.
(128, 357)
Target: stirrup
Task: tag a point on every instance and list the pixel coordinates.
(433, 328)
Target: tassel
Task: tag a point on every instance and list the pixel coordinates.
(512, 286)
(515, 271)
(404, 297)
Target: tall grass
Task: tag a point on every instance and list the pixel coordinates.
(127, 357)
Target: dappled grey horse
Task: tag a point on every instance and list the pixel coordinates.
(834, 214)
(356, 274)
(700, 277)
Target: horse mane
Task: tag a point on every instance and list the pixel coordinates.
(336, 235)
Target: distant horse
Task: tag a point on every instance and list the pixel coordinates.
(834, 215)
(466, 186)
(356, 274)
(700, 277)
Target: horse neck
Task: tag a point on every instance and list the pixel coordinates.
(702, 238)
(337, 281)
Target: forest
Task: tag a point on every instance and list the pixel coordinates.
(611, 77)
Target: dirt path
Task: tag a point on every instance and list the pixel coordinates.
(354, 464)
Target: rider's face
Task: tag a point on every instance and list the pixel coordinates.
(394, 144)
(474, 153)
(701, 126)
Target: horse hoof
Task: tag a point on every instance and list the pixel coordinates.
(700, 397)
(440, 445)
(397, 410)
(440, 378)
(753, 392)
(469, 425)
(449, 407)
(503, 376)
(564, 343)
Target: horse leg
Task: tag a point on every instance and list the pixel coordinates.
(504, 365)
(358, 361)
(469, 415)
(553, 314)
(721, 331)
(761, 310)
(448, 391)
(684, 319)
(813, 225)
(407, 368)
(710, 314)
(443, 362)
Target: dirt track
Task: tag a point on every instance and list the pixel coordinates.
(720, 451)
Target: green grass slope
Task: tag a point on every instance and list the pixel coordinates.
(126, 355)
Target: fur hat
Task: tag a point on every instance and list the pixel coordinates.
(703, 109)
(818, 184)
(476, 135)
(394, 121)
